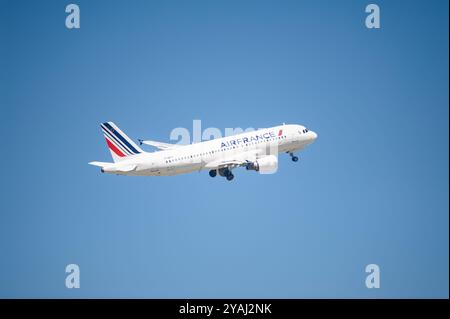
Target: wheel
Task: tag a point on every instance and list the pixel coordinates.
(294, 158)
(230, 177)
(213, 173)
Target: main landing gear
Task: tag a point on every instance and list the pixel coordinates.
(293, 157)
(230, 176)
(213, 173)
(225, 172)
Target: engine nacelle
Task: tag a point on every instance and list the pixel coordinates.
(266, 165)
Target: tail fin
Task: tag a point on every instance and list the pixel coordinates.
(118, 143)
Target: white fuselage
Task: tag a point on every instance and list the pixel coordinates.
(199, 156)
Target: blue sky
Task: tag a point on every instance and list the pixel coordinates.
(372, 189)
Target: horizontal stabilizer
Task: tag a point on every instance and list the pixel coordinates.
(127, 168)
(114, 167)
(161, 145)
(100, 164)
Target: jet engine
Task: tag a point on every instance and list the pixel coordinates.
(265, 165)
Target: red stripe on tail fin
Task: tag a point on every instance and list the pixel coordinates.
(113, 148)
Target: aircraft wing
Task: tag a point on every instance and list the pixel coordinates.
(233, 161)
(161, 145)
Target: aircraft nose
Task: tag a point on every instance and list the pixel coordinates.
(313, 135)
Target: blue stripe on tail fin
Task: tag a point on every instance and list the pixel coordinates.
(120, 138)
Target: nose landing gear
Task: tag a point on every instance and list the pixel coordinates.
(293, 157)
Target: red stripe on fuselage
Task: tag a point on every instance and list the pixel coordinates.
(280, 132)
(113, 148)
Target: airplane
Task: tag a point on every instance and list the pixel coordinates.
(256, 150)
